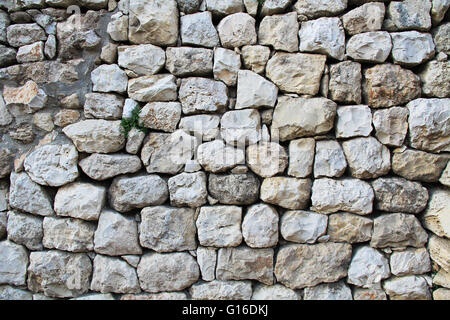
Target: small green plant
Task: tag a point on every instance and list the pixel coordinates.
(132, 122)
(261, 2)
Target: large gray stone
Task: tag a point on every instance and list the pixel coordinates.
(109, 78)
(203, 95)
(407, 15)
(143, 60)
(407, 288)
(289, 193)
(105, 166)
(371, 47)
(412, 48)
(221, 290)
(253, 91)
(318, 8)
(25, 229)
(280, 32)
(198, 29)
(241, 127)
(353, 121)
(329, 160)
(188, 190)
(159, 87)
(303, 226)
(237, 30)
(368, 267)
(13, 263)
(239, 189)
(186, 61)
(329, 291)
(260, 226)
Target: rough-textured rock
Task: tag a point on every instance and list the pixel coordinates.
(239, 189)
(28, 196)
(399, 195)
(105, 166)
(253, 91)
(7, 56)
(222, 8)
(19, 35)
(186, 61)
(165, 229)
(397, 230)
(68, 234)
(439, 10)
(270, 7)
(317, 8)
(167, 271)
(134, 141)
(144, 60)
(189, 6)
(418, 165)
(274, 292)
(241, 127)
(5, 162)
(289, 193)
(198, 29)
(109, 78)
(368, 267)
(445, 177)
(440, 36)
(347, 227)
(103, 106)
(216, 157)
(441, 294)
(366, 18)
(163, 116)
(255, 57)
(188, 189)
(207, 260)
(226, 66)
(389, 85)
(412, 48)
(154, 21)
(267, 159)
(391, 125)
(372, 47)
(436, 216)
(205, 127)
(369, 294)
(350, 195)
(367, 157)
(202, 95)
(260, 226)
(303, 226)
(353, 121)
(301, 157)
(407, 15)
(13, 263)
(93, 136)
(296, 72)
(80, 200)
(299, 266)
(3, 223)
(436, 79)
(300, 117)
(25, 229)
(59, 274)
(345, 82)
(429, 124)
(219, 226)
(160, 87)
(324, 35)
(410, 261)
(113, 275)
(329, 159)
(29, 97)
(237, 30)
(12, 293)
(280, 32)
(31, 53)
(116, 235)
(244, 263)
(407, 288)
(329, 291)
(222, 290)
(442, 278)
(118, 27)
(439, 249)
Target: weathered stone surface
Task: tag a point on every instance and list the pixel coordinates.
(440, 36)
(407, 288)
(156, 296)
(366, 18)
(3, 223)
(367, 157)
(109, 78)
(391, 125)
(50, 47)
(351, 195)
(222, 8)
(68, 234)
(429, 121)
(144, 60)
(241, 127)
(219, 226)
(12, 293)
(189, 6)
(436, 216)
(19, 35)
(389, 85)
(347, 227)
(329, 291)
(42, 120)
(188, 189)
(160, 87)
(407, 15)
(399, 195)
(369, 294)
(7, 56)
(412, 48)
(222, 290)
(345, 82)
(439, 10)
(244, 263)
(253, 91)
(65, 117)
(163, 116)
(255, 57)
(300, 117)
(368, 267)
(116, 235)
(105, 166)
(113, 275)
(154, 21)
(299, 266)
(134, 141)
(371, 47)
(93, 136)
(314, 8)
(267, 159)
(104, 106)
(237, 30)
(4, 24)
(441, 294)
(445, 178)
(397, 230)
(5, 162)
(260, 226)
(28, 196)
(118, 27)
(353, 121)
(25, 229)
(439, 249)
(207, 260)
(410, 261)
(13, 263)
(203, 126)
(29, 97)
(418, 165)
(31, 53)
(301, 157)
(239, 189)
(324, 35)
(296, 72)
(80, 200)
(442, 278)
(289, 193)
(274, 292)
(52, 165)
(168, 153)
(215, 156)
(226, 66)
(303, 226)
(198, 29)
(280, 32)
(329, 160)
(202, 95)
(436, 79)
(94, 297)
(5, 117)
(167, 271)
(186, 61)
(59, 274)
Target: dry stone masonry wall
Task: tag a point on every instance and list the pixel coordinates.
(224, 149)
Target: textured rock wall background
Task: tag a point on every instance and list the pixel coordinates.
(274, 149)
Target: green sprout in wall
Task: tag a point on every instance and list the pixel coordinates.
(132, 122)
(261, 2)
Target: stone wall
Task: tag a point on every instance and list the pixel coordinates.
(224, 149)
